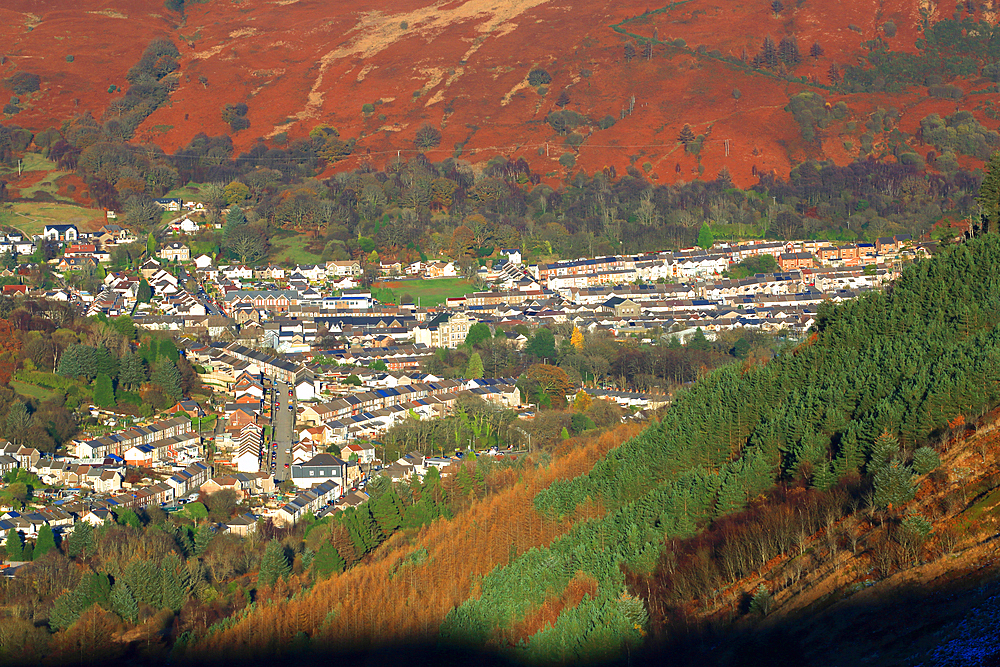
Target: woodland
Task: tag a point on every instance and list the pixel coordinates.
(66, 361)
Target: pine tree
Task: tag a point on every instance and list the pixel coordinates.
(273, 565)
(123, 602)
(132, 372)
(387, 512)
(81, 542)
(815, 50)
(45, 542)
(788, 51)
(235, 218)
(18, 420)
(475, 368)
(925, 460)
(328, 560)
(464, 480)
(687, 135)
(145, 581)
(168, 378)
(885, 447)
(202, 538)
(104, 393)
(173, 593)
(989, 194)
(833, 73)
(893, 485)
(65, 610)
(15, 546)
(151, 244)
(768, 53)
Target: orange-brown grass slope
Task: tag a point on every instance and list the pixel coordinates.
(394, 596)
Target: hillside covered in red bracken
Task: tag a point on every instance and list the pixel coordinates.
(627, 75)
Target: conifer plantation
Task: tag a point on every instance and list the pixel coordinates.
(539, 565)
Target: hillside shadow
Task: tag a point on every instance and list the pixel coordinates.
(903, 626)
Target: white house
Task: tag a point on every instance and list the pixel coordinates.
(67, 233)
(247, 461)
(203, 261)
(305, 389)
(513, 255)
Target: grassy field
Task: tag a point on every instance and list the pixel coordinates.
(31, 390)
(430, 292)
(30, 162)
(189, 191)
(31, 217)
(289, 247)
(46, 184)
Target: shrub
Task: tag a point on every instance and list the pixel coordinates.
(889, 28)
(680, 43)
(11, 109)
(564, 121)
(70, 59)
(368, 107)
(911, 160)
(567, 160)
(24, 83)
(606, 122)
(403, 25)
(427, 136)
(736, 93)
(235, 115)
(239, 123)
(947, 91)
(539, 77)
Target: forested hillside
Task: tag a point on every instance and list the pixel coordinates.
(857, 406)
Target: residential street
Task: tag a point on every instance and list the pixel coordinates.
(283, 423)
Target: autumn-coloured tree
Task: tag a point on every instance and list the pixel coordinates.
(10, 346)
(576, 339)
(462, 241)
(551, 380)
